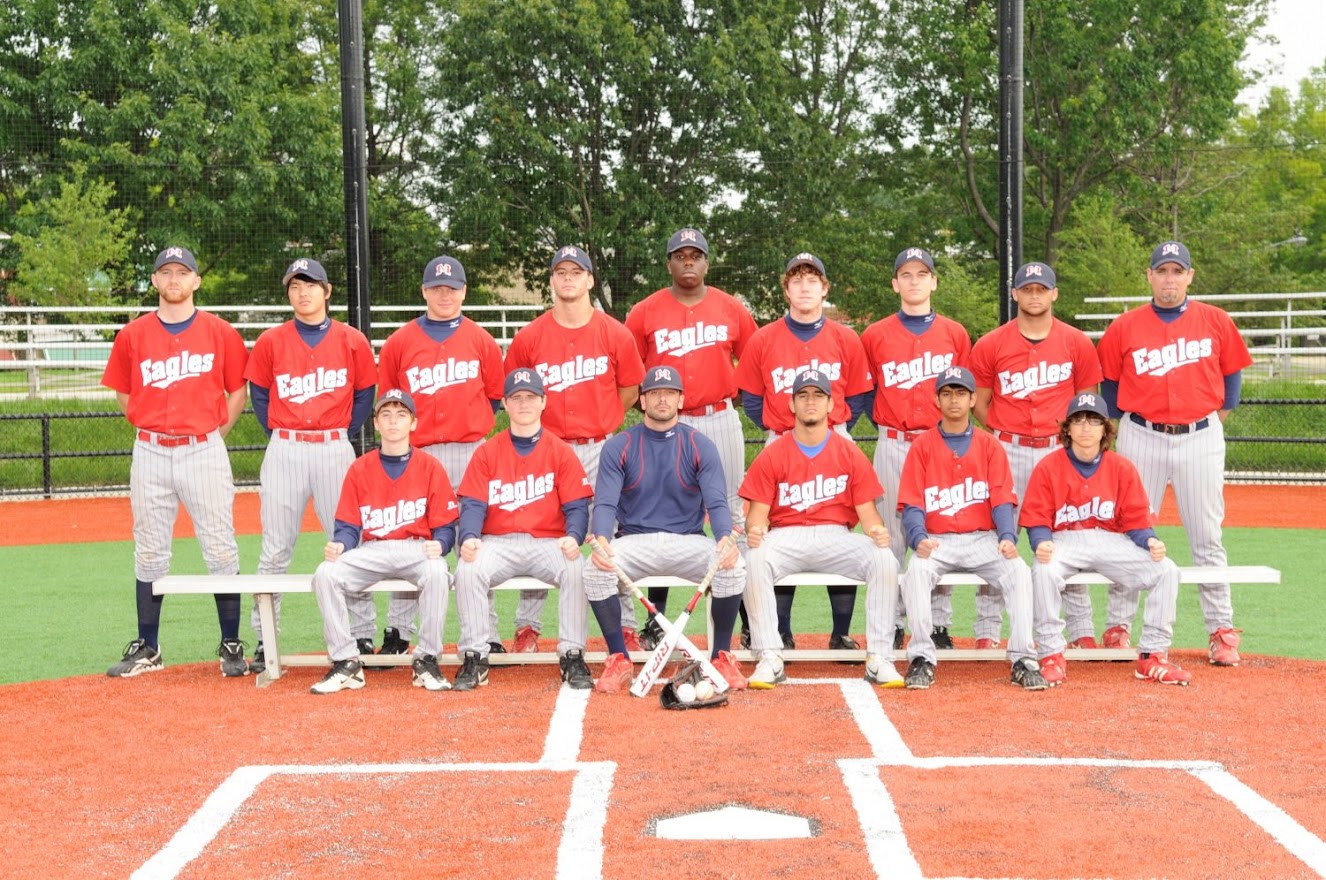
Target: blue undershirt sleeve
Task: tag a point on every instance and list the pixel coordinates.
(446, 536)
(1006, 526)
(473, 512)
(260, 397)
(1038, 535)
(1233, 390)
(753, 404)
(713, 490)
(577, 518)
(607, 491)
(346, 534)
(857, 404)
(913, 525)
(363, 406)
(1109, 389)
(1141, 536)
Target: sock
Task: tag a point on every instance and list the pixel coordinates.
(149, 612)
(608, 612)
(227, 614)
(842, 602)
(659, 596)
(783, 597)
(725, 617)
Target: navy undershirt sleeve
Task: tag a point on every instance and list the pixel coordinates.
(577, 518)
(260, 397)
(473, 512)
(1006, 526)
(913, 525)
(1038, 535)
(346, 534)
(1109, 390)
(363, 405)
(857, 404)
(753, 405)
(1233, 390)
(446, 536)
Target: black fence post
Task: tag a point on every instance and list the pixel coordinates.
(46, 482)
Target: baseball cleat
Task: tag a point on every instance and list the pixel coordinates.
(1225, 646)
(843, 643)
(344, 675)
(1156, 666)
(730, 669)
(745, 638)
(651, 635)
(1054, 670)
(920, 674)
(365, 646)
(473, 673)
(986, 644)
(768, 672)
(1084, 642)
(496, 648)
(231, 652)
(1117, 637)
(427, 675)
(616, 675)
(259, 662)
(527, 640)
(943, 641)
(632, 640)
(1027, 675)
(393, 643)
(574, 671)
(897, 638)
(139, 657)
(789, 643)
(882, 672)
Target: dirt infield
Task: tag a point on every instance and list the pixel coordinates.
(77, 520)
(1104, 776)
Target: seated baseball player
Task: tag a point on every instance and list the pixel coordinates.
(807, 491)
(656, 482)
(524, 511)
(1087, 510)
(956, 498)
(396, 519)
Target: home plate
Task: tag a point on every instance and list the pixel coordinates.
(733, 823)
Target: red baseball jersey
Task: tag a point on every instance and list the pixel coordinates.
(582, 369)
(1172, 373)
(312, 389)
(177, 383)
(774, 357)
(525, 494)
(957, 493)
(703, 341)
(408, 507)
(905, 365)
(805, 491)
(452, 382)
(1033, 382)
(1060, 499)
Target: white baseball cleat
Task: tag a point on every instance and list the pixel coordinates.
(882, 672)
(768, 673)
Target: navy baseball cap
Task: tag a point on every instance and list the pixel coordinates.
(444, 272)
(688, 237)
(806, 259)
(812, 379)
(523, 379)
(1035, 273)
(310, 269)
(955, 376)
(661, 377)
(571, 254)
(909, 254)
(1171, 252)
(1087, 401)
(176, 255)
(395, 395)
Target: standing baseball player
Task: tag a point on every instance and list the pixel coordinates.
(701, 332)
(957, 505)
(1173, 371)
(906, 351)
(311, 381)
(591, 372)
(1086, 510)
(807, 491)
(657, 480)
(804, 339)
(1027, 372)
(524, 511)
(178, 377)
(396, 519)
(452, 368)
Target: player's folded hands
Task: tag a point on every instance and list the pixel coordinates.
(333, 550)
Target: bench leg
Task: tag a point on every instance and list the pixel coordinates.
(270, 644)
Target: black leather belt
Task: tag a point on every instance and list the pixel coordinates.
(1162, 428)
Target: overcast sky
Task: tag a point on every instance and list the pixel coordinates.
(1297, 25)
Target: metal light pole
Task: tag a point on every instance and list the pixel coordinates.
(354, 147)
(1010, 152)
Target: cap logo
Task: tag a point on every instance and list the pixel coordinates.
(953, 373)
(1086, 400)
(811, 376)
(442, 269)
(175, 252)
(1169, 249)
(688, 235)
(914, 254)
(298, 264)
(1033, 269)
(522, 376)
(393, 394)
(570, 251)
(805, 256)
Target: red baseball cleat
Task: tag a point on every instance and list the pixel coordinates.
(1225, 646)
(1117, 637)
(1084, 642)
(632, 640)
(527, 640)
(986, 644)
(616, 675)
(1158, 668)
(1053, 669)
(730, 669)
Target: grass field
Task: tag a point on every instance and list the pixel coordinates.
(73, 605)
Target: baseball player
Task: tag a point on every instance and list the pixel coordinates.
(957, 501)
(524, 511)
(1027, 372)
(591, 372)
(1086, 510)
(178, 377)
(452, 368)
(311, 381)
(807, 490)
(906, 351)
(804, 339)
(701, 332)
(1173, 370)
(657, 480)
(396, 519)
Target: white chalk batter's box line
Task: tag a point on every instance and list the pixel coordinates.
(580, 853)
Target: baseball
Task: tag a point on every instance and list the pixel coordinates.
(686, 692)
(704, 690)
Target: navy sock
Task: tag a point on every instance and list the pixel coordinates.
(149, 612)
(725, 617)
(842, 602)
(783, 597)
(659, 596)
(608, 612)
(227, 614)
